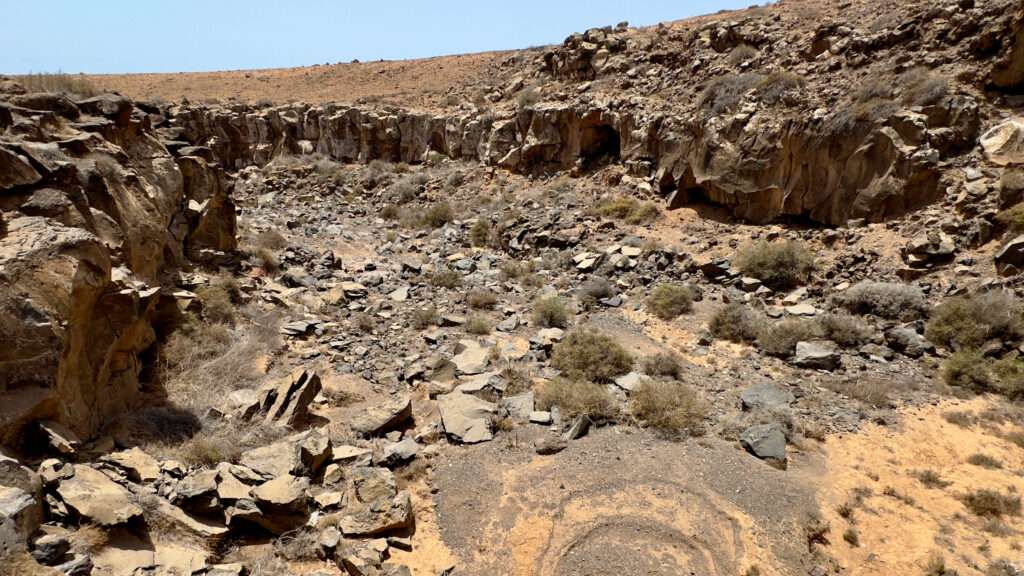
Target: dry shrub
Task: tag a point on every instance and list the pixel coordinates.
(218, 302)
(931, 479)
(871, 390)
(992, 504)
(780, 339)
(778, 86)
(984, 461)
(59, 82)
(271, 240)
(663, 364)
(481, 299)
(514, 269)
(971, 321)
(628, 209)
(669, 407)
(423, 318)
(596, 289)
(21, 563)
(299, 545)
(437, 215)
(847, 331)
(922, 88)
(736, 323)
(589, 355)
(575, 397)
(390, 212)
(741, 54)
(779, 265)
(724, 93)
(478, 325)
(892, 300)
(480, 233)
(669, 301)
(550, 312)
(1009, 374)
(1012, 218)
(446, 278)
(88, 539)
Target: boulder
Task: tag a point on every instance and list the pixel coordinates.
(15, 170)
(373, 504)
(766, 396)
(137, 466)
(466, 418)
(908, 341)
(767, 442)
(97, 499)
(471, 357)
(20, 516)
(1004, 143)
(1010, 258)
(817, 355)
(286, 403)
(384, 417)
(282, 503)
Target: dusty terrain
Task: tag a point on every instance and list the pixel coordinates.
(735, 295)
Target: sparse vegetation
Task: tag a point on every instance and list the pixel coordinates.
(596, 289)
(851, 537)
(1009, 376)
(971, 321)
(780, 339)
(891, 300)
(990, 503)
(669, 301)
(662, 364)
(741, 54)
(931, 479)
(919, 87)
(437, 215)
(75, 85)
(779, 265)
(724, 93)
(736, 323)
(480, 233)
(575, 397)
(550, 312)
(589, 355)
(847, 331)
(778, 86)
(668, 406)
(628, 209)
(984, 461)
(478, 324)
(1012, 218)
(446, 278)
(967, 369)
(426, 317)
(481, 299)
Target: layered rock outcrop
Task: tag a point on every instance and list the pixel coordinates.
(96, 213)
(760, 163)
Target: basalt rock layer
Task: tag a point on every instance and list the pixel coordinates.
(759, 163)
(95, 214)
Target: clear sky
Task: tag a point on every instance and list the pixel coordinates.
(109, 36)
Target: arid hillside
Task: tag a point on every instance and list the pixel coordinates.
(736, 295)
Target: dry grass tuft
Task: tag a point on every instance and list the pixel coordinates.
(669, 407)
(628, 209)
(575, 397)
(779, 265)
(736, 323)
(59, 82)
(551, 312)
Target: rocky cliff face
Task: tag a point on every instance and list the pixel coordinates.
(759, 162)
(95, 214)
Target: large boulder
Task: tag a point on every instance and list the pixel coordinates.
(466, 418)
(97, 499)
(382, 417)
(373, 503)
(1004, 143)
(1010, 258)
(767, 442)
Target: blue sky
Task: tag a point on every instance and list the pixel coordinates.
(109, 36)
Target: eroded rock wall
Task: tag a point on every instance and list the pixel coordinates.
(96, 213)
(760, 163)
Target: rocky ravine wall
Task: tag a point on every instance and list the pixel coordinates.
(761, 162)
(95, 213)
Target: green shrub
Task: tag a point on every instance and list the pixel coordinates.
(779, 265)
(780, 339)
(662, 364)
(575, 397)
(1009, 372)
(550, 312)
(669, 301)
(847, 331)
(971, 321)
(892, 300)
(668, 406)
(589, 355)
(967, 369)
(736, 323)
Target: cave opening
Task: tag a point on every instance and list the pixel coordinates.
(599, 145)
